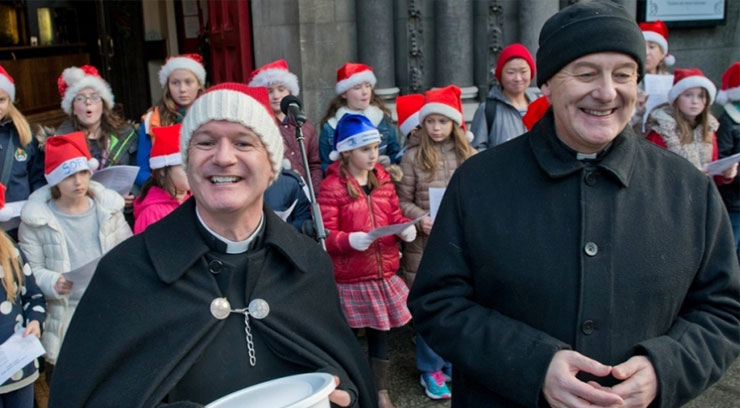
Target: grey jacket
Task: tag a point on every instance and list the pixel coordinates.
(506, 125)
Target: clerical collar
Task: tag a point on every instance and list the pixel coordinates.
(586, 156)
(228, 246)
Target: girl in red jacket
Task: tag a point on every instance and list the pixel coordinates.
(685, 126)
(356, 197)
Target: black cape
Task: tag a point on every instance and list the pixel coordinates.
(145, 318)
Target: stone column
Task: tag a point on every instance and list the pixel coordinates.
(375, 42)
(454, 42)
(532, 16)
(454, 59)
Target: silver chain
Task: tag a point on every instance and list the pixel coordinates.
(248, 330)
(250, 343)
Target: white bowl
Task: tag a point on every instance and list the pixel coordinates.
(296, 391)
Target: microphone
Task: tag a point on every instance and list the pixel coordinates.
(291, 106)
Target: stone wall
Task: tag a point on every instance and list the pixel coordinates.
(317, 36)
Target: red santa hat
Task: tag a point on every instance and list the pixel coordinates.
(236, 103)
(446, 102)
(65, 156)
(75, 79)
(189, 62)
(275, 72)
(730, 85)
(443, 101)
(7, 84)
(351, 74)
(687, 78)
(407, 108)
(657, 32)
(166, 147)
(515, 50)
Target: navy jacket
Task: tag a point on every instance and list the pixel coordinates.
(27, 173)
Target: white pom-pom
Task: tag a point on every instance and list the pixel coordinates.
(72, 75)
(286, 164)
(93, 163)
(469, 136)
(334, 155)
(669, 60)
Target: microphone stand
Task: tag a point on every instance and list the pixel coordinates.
(318, 222)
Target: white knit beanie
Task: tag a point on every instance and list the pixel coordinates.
(236, 103)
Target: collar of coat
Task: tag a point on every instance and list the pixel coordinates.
(557, 160)
(174, 257)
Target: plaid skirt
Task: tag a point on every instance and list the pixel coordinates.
(377, 304)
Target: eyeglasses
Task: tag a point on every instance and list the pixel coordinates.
(95, 98)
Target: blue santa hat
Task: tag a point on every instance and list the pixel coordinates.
(353, 131)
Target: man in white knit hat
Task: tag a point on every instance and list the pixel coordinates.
(220, 294)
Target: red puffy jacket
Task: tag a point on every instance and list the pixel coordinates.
(343, 215)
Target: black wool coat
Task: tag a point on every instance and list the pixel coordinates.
(533, 252)
(145, 318)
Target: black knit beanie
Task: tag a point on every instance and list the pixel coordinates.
(587, 28)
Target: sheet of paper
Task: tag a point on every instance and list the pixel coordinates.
(17, 352)
(386, 230)
(657, 87)
(117, 178)
(286, 213)
(81, 277)
(435, 199)
(11, 210)
(717, 167)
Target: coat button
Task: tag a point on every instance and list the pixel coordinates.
(590, 178)
(591, 249)
(215, 266)
(587, 327)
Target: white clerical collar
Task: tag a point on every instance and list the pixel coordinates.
(233, 247)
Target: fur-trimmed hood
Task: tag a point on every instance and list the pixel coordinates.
(36, 212)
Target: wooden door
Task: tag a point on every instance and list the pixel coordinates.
(121, 49)
(230, 40)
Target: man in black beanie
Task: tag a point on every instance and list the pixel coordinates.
(579, 265)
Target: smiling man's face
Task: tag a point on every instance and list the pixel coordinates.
(592, 99)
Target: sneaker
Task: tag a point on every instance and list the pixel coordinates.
(434, 385)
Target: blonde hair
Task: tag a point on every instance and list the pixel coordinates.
(20, 123)
(427, 156)
(372, 179)
(686, 127)
(12, 268)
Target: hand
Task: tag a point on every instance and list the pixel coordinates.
(33, 328)
(730, 173)
(408, 234)
(128, 201)
(339, 397)
(426, 224)
(563, 389)
(63, 286)
(360, 240)
(639, 383)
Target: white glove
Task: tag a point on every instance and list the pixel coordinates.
(360, 240)
(408, 234)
